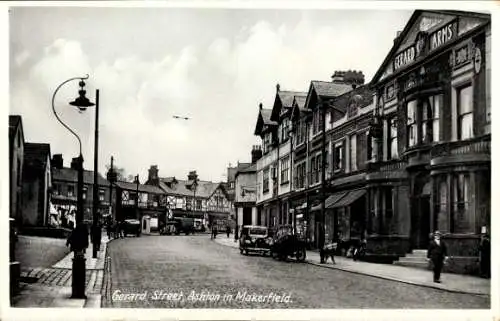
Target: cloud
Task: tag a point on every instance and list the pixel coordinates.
(22, 58)
(218, 85)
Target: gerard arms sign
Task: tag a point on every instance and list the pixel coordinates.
(438, 38)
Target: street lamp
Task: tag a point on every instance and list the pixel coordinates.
(79, 237)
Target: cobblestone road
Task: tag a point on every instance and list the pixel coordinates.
(146, 272)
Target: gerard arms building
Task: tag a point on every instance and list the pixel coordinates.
(406, 155)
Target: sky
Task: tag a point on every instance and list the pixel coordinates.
(213, 65)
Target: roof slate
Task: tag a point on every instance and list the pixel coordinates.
(330, 89)
(142, 188)
(287, 97)
(71, 175)
(204, 189)
(266, 117)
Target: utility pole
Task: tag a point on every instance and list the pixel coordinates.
(95, 196)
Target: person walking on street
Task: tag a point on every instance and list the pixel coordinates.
(438, 255)
(228, 230)
(485, 256)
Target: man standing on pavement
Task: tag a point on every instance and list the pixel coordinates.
(438, 254)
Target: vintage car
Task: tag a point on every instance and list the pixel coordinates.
(287, 244)
(178, 225)
(254, 239)
(132, 226)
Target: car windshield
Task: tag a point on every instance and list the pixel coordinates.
(257, 231)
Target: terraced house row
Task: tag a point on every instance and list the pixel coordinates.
(391, 160)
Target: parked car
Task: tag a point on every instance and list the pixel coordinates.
(132, 226)
(254, 239)
(179, 225)
(287, 244)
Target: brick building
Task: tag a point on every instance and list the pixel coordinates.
(433, 170)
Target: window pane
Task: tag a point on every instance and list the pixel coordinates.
(353, 153)
(394, 148)
(466, 127)
(435, 130)
(412, 109)
(465, 100)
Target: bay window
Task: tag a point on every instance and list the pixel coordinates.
(465, 112)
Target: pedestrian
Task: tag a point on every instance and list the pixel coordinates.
(121, 227)
(109, 229)
(228, 230)
(438, 255)
(96, 235)
(485, 256)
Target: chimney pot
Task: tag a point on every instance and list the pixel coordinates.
(260, 106)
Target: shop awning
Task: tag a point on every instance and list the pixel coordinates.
(334, 198)
(350, 198)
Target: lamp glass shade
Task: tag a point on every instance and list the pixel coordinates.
(82, 102)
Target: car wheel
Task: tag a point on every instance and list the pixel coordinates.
(301, 255)
(246, 252)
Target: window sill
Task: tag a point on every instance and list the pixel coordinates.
(285, 183)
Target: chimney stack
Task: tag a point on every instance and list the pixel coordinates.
(256, 153)
(192, 176)
(260, 106)
(350, 77)
(74, 163)
(57, 161)
(397, 36)
(153, 175)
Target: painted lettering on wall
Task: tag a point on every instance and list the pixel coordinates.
(443, 35)
(404, 58)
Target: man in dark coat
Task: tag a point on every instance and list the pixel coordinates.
(438, 254)
(485, 256)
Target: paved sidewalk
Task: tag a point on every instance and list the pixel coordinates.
(450, 282)
(53, 285)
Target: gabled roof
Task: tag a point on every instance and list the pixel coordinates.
(36, 156)
(263, 119)
(429, 21)
(204, 189)
(130, 186)
(71, 175)
(324, 90)
(14, 122)
(252, 168)
(284, 99)
(298, 109)
(328, 89)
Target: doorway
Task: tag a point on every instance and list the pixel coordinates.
(247, 216)
(420, 214)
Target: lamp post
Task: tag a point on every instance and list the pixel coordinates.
(79, 237)
(95, 218)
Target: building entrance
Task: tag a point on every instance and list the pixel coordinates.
(420, 214)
